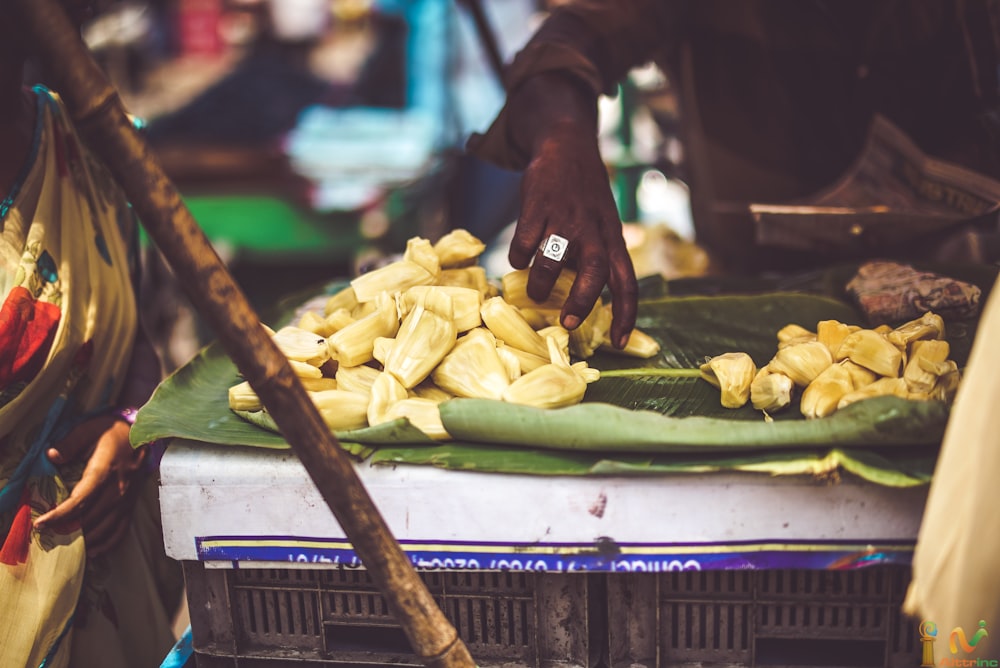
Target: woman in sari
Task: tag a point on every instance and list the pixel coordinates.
(83, 577)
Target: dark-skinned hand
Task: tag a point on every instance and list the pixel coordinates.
(103, 499)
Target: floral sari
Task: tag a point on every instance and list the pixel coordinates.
(67, 327)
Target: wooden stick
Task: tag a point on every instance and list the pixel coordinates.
(101, 118)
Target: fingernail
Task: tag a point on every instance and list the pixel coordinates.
(571, 322)
(622, 341)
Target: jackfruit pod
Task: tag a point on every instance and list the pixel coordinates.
(882, 329)
(591, 333)
(393, 277)
(315, 323)
(301, 345)
(381, 348)
(872, 351)
(794, 331)
(511, 362)
(420, 251)
(732, 373)
(430, 391)
(339, 319)
(458, 248)
(526, 361)
(473, 368)
(540, 318)
(860, 376)
(357, 379)
(342, 299)
(304, 369)
(821, 396)
(770, 391)
(426, 335)
(514, 286)
(640, 344)
(928, 326)
(802, 362)
(354, 345)
(585, 371)
(509, 326)
(361, 310)
(318, 384)
(466, 277)
(422, 414)
(947, 384)
(832, 333)
(560, 334)
(341, 410)
(243, 398)
(386, 390)
(465, 302)
(928, 360)
(881, 387)
(553, 385)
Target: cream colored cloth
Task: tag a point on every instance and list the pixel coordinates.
(956, 566)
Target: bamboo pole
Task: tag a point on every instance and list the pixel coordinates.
(101, 117)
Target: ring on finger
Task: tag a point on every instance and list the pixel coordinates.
(554, 247)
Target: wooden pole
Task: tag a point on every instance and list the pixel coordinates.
(101, 118)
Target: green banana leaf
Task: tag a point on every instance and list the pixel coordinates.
(641, 417)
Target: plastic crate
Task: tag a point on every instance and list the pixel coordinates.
(302, 617)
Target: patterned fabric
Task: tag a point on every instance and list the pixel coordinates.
(67, 326)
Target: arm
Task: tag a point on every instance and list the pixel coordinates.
(548, 128)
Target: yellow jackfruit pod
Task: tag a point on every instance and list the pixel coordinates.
(342, 299)
(802, 362)
(872, 351)
(591, 333)
(386, 390)
(337, 320)
(354, 345)
(243, 398)
(882, 329)
(821, 396)
(793, 331)
(421, 413)
(881, 387)
(393, 277)
(770, 391)
(361, 310)
(732, 373)
(640, 344)
(553, 385)
(511, 361)
(420, 251)
(514, 286)
(832, 333)
(540, 318)
(305, 370)
(426, 335)
(526, 361)
(947, 384)
(318, 384)
(561, 335)
(315, 323)
(928, 326)
(473, 368)
(585, 371)
(466, 303)
(458, 248)
(301, 345)
(860, 376)
(466, 277)
(357, 379)
(509, 326)
(430, 391)
(341, 410)
(927, 361)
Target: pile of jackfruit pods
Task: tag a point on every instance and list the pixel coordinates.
(838, 364)
(407, 336)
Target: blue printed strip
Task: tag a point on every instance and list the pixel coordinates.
(564, 557)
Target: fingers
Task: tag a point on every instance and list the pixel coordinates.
(591, 276)
(624, 296)
(530, 227)
(77, 444)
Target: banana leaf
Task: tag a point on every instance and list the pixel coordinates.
(641, 417)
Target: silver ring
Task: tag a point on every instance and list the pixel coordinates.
(554, 247)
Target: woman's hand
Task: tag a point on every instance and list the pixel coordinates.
(565, 190)
(102, 501)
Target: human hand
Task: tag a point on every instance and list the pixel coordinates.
(566, 191)
(102, 501)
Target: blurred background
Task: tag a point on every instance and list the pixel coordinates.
(311, 138)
